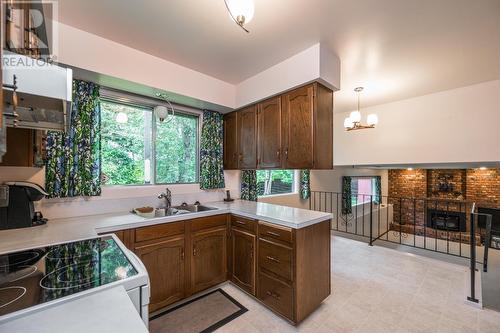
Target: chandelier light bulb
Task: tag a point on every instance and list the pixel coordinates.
(372, 119)
(355, 116)
(348, 122)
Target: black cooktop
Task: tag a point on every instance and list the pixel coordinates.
(41, 275)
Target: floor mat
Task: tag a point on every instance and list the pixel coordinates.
(202, 314)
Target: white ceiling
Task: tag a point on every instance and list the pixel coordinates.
(396, 49)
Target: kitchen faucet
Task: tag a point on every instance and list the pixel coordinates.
(167, 195)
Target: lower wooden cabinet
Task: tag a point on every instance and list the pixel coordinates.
(165, 262)
(243, 259)
(276, 294)
(208, 258)
(287, 269)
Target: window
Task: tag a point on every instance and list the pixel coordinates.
(271, 182)
(362, 189)
(139, 149)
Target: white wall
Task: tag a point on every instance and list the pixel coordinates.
(314, 63)
(91, 52)
(453, 126)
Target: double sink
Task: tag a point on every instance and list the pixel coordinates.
(184, 209)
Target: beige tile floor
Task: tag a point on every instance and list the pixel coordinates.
(376, 289)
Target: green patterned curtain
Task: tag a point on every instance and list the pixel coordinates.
(73, 166)
(346, 195)
(249, 185)
(305, 186)
(211, 158)
(378, 190)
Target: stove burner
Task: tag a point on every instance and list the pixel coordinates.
(52, 255)
(24, 272)
(11, 294)
(17, 259)
(59, 280)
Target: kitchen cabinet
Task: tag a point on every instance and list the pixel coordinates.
(307, 128)
(297, 125)
(23, 35)
(269, 133)
(165, 263)
(291, 131)
(247, 138)
(25, 148)
(286, 269)
(293, 268)
(208, 258)
(243, 250)
(231, 141)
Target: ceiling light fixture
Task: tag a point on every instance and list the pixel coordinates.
(353, 122)
(240, 11)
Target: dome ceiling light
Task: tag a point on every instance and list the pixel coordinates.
(353, 122)
(240, 11)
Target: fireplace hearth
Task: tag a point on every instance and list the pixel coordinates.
(446, 220)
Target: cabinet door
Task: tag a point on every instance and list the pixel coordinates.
(165, 264)
(231, 141)
(247, 137)
(269, 133)
(297, 128)
(243, 252)
(208, 259)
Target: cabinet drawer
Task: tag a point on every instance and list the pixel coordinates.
(275, 258)
(276, 295)
(208, 222)
(158, 231)
(275, 232)
(243, 223)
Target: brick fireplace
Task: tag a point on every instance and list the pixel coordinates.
(444, 195)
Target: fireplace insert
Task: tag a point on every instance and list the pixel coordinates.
(446, 220)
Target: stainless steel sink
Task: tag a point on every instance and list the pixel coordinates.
(193, 208)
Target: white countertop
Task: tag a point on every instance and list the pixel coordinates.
(110, 310)
(70, 229)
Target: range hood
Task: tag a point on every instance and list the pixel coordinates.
(44, 93)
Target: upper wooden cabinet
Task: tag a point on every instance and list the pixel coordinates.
(247, 138)
(231, 141)
(269, 133)
(297, 128)
(307, 128)
(291, 131)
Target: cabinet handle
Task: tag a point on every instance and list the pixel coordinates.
(278, 153)
(275, 234)
(273, 294)
(273, 259)
(194, 252)
(241, 157)
(286, 153)
(240, 222)
(182, 254)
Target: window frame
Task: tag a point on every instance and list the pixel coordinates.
(295, 185)
(130, 99)
(373, 195)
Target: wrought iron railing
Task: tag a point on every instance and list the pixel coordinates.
(441, 225)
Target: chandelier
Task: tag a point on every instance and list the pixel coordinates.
(353, 122)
